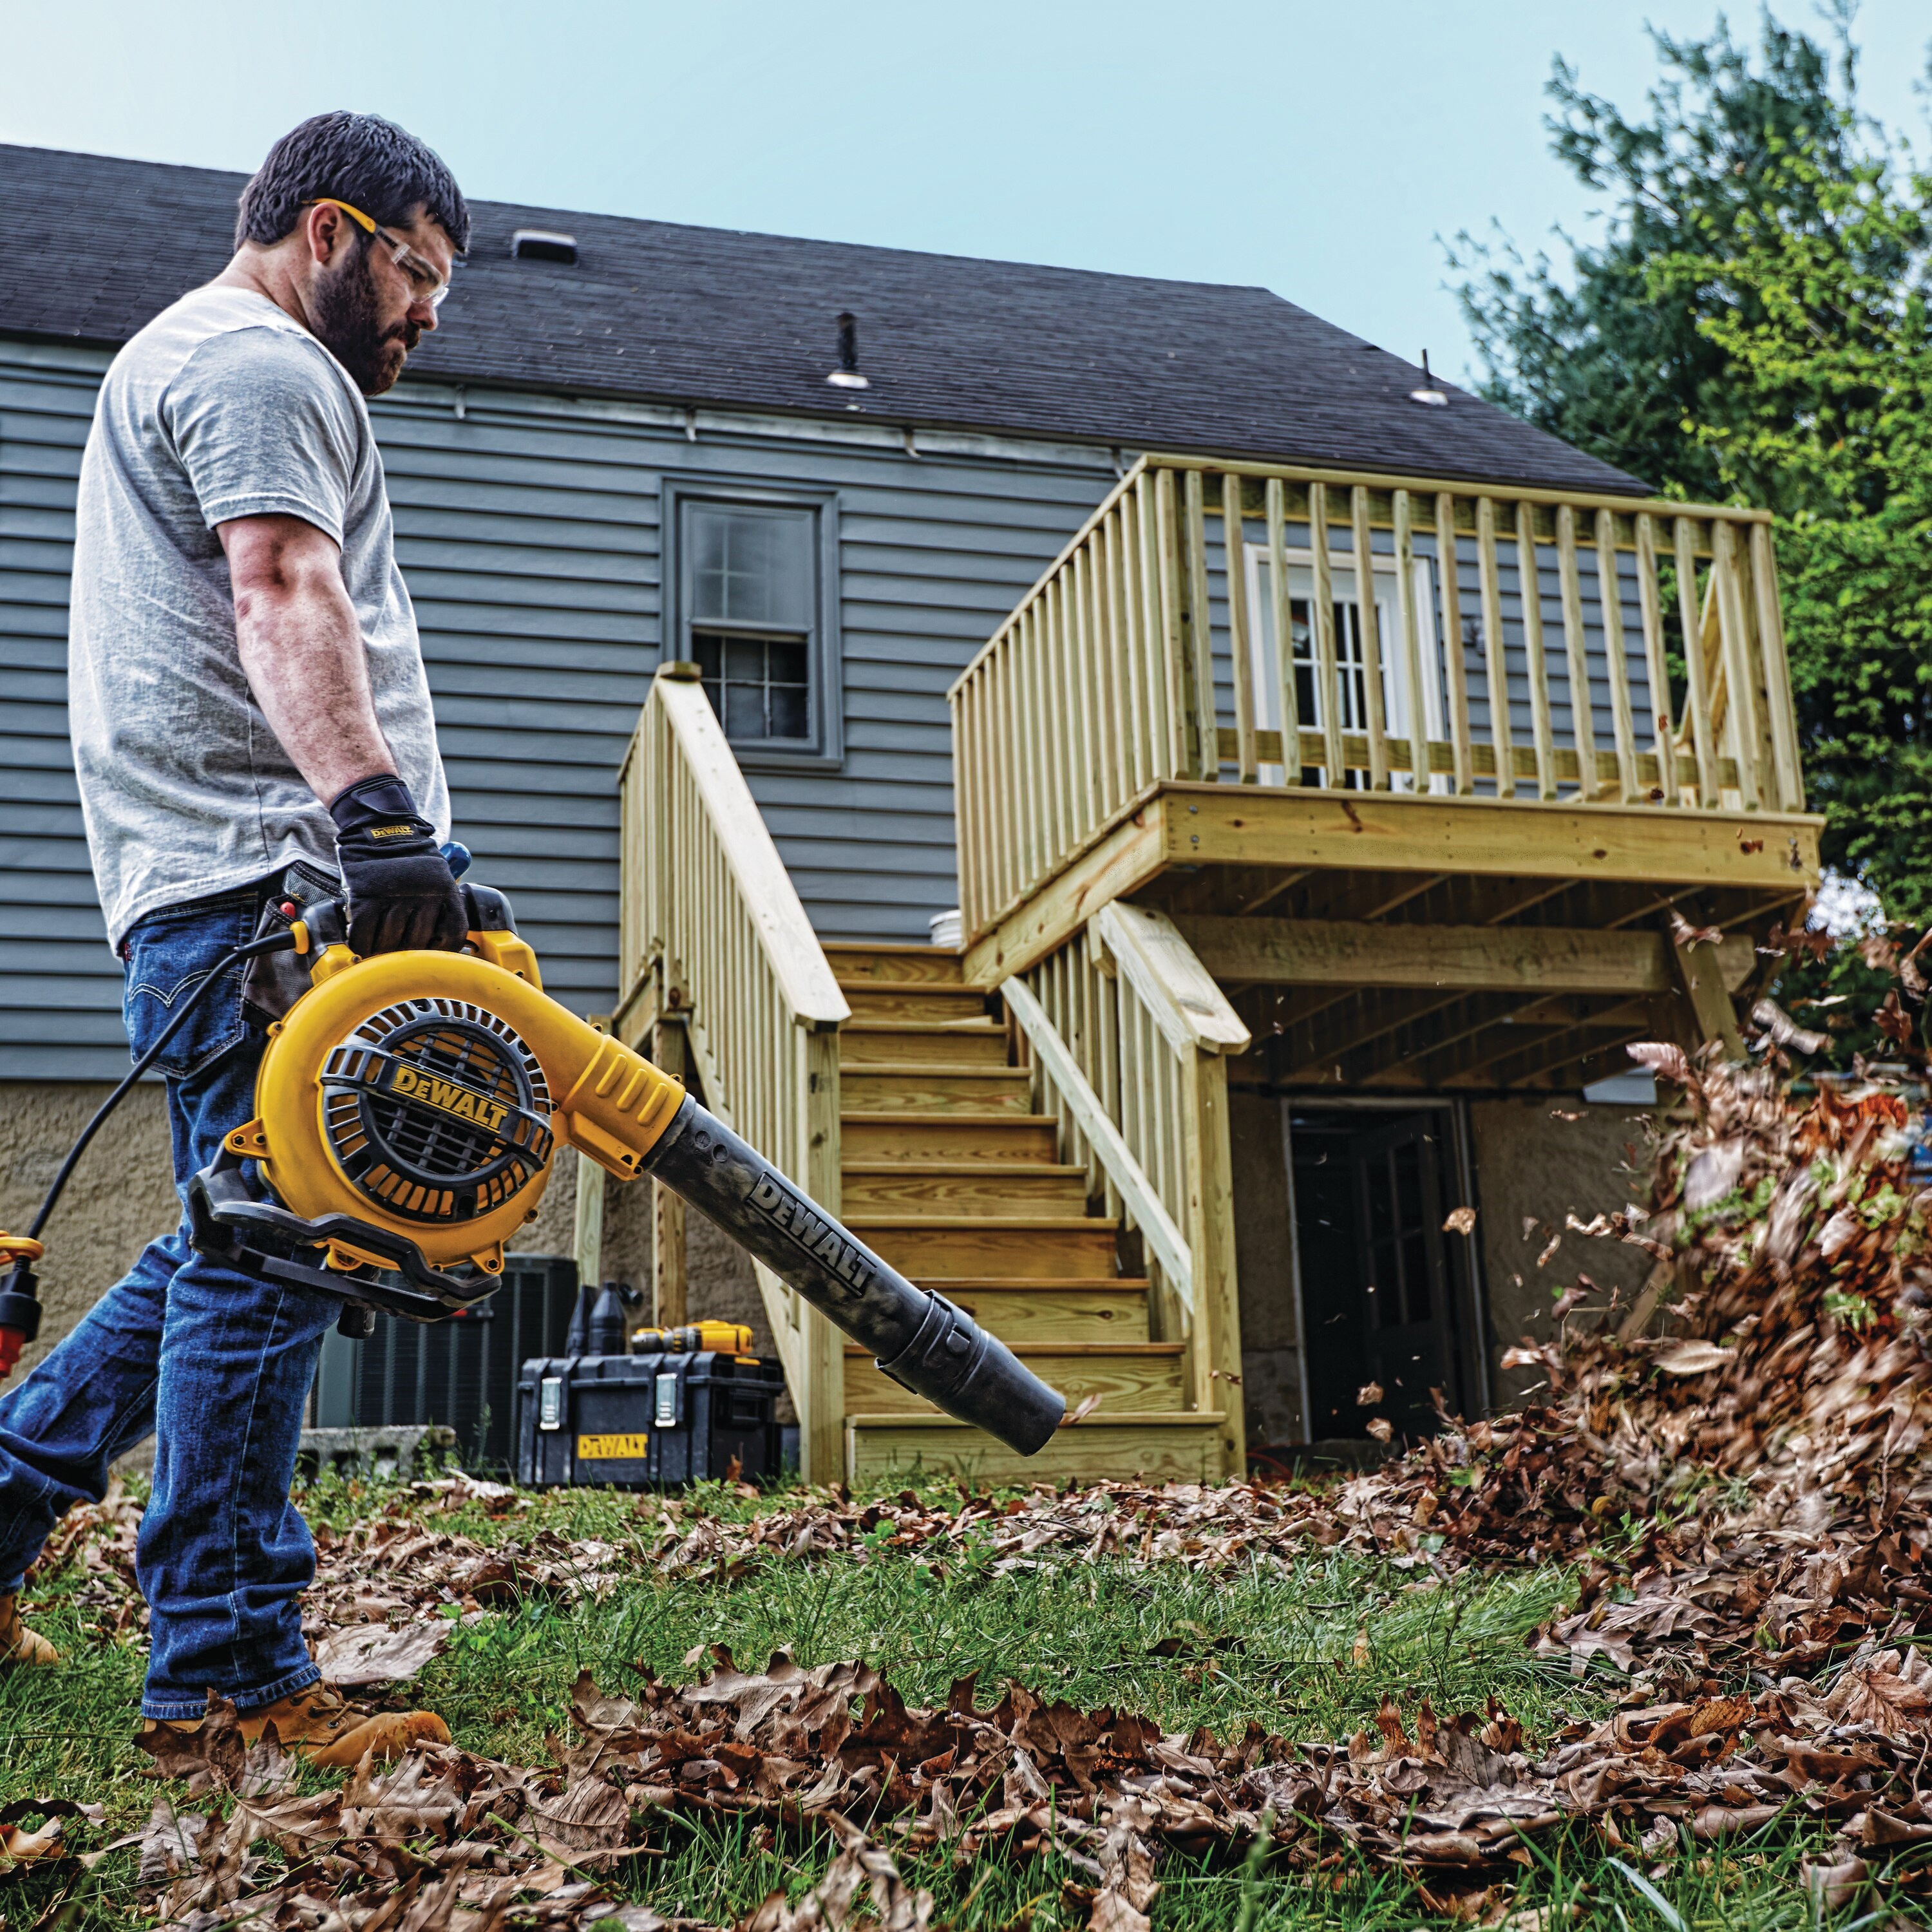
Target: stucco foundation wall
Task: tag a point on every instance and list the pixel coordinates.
(1264, 1261)
(1534, 1165)
(121, 1198)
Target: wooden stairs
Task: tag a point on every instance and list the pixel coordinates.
(949, 1175)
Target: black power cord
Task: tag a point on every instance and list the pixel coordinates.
(278, 942)
(19, 1304)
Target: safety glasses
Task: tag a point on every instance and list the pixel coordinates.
(429, 285)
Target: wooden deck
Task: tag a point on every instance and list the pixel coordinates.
(1123, 736)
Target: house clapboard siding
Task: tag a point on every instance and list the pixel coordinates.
(528, 530)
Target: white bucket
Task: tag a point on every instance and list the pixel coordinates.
(946, 930)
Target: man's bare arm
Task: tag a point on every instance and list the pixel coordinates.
(301, 649)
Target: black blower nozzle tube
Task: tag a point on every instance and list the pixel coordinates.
(921, 1340)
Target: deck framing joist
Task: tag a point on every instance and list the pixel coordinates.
(1389, 940)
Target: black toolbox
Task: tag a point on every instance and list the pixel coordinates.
(654, 1420)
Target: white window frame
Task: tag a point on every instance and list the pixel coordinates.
(1388, 623)
(825, 751)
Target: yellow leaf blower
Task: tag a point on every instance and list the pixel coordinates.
(408, 1111)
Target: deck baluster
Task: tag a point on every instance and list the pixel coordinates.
(1321, 616)
(1610, 599)
(1582, 718)
(1205, 751)
(1411, 619)
(1743, 717)
(1657, 668)
(1777, 669)
(1376, 720)
(1233, 550)
(1165, 539)
(1529, 596)
(1289, 704)
(1703, 736)
(1454, 659)
(1496, 657)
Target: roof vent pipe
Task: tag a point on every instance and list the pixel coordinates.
(1428, 393)
(847, 376)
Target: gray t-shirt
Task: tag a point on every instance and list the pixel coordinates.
(223, 407)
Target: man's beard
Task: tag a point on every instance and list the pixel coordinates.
(346, 324)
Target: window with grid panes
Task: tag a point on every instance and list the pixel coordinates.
(750, 602)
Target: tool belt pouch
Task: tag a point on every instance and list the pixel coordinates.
(274, 981)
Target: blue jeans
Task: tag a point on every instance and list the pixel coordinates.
(215, 1365)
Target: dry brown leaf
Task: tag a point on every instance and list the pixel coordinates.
(1692, 1358)
(1783, 1030)
(1683, 933)
(372, 1654)
(1460, 1221)
(1664, 1060)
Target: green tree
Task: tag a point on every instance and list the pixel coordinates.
(1753, 326)
(1825, 328)
(1587, 352)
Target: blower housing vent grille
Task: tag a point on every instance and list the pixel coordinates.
(436, 1110)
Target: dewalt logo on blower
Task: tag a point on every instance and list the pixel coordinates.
(407, 1083)
(815, 1231)
(408, 1111)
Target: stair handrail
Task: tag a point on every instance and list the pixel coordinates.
(1142, 1206)
(717, 947)
(1130, 1038)
(682, 715)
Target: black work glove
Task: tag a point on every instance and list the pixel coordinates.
(402, 895)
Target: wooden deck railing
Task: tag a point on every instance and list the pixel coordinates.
(1127, 1035)
(718, 955)
(1142, 656)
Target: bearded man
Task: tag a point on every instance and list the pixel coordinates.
(251, 728)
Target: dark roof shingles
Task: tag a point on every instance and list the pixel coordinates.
(714, 317)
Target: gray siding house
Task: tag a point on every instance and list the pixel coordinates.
(586, 459)
(827, 475)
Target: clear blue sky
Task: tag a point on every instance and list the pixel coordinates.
(1317, 149)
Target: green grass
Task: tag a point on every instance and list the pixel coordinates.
(1271, 1644)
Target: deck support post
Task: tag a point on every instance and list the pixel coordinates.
(669, 1300)
(1700, 979)
(586, 1244)
(1214, 1354)
(819, 1393)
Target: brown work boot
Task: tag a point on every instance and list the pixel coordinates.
(18, 1644)
(316, 1724)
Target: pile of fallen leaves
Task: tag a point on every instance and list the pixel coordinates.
(1740, 1462)
(446, 1839)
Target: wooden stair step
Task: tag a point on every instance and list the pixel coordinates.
(1002, 1138)
(1183, 1446)
(1130, 1378)
(915, 999)
(1028, 1308)
(922, 1245)
(851, 959)
(943, 1187)
(937, 1090)
(966, 1043)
